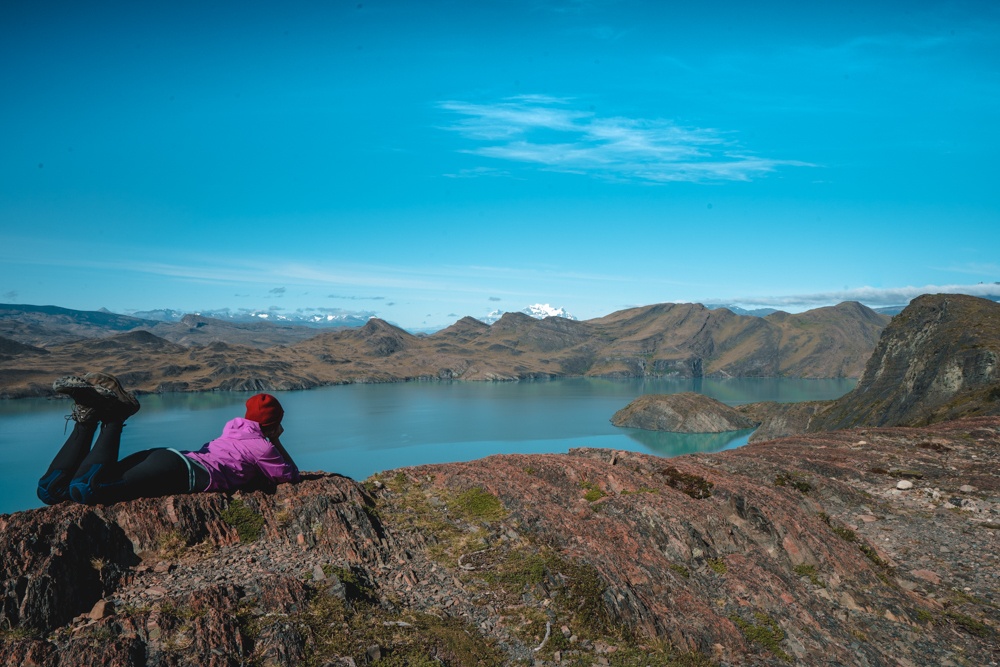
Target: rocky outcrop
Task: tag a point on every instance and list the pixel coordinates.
(686, 412)
(777, 420)
(939, 359)
(795, 551)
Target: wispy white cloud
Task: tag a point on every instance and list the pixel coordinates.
(982, 269)
(870, 296)
(549, 132)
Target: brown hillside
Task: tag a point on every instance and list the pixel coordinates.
(681, 340)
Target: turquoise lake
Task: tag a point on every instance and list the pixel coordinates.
(357, 430)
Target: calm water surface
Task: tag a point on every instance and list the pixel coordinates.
(357, 430)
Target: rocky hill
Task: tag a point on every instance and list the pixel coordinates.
(863, 547)
(937, 360)
(681, 340)
(686, 412)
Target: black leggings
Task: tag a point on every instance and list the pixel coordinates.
(96, 476)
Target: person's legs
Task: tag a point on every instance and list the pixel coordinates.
(147, 474)
(96, 463)
(75, 471)
(53, 487)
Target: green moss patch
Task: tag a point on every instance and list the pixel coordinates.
(793, 480)
(477, 504)
(763, 631)
(247, 523)
(680, 569)
(809, 571)
(969, 624)
(332, 630)
(442, 517)
(593, 491)
(692, 485)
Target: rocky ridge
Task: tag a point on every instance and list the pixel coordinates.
(678, 340)
(874, 546)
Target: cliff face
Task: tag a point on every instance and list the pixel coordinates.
(939, 359)
(681, 340)
(799, 550)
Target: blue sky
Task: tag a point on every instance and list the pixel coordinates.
(425, 161)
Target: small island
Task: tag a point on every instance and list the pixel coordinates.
(687, 412)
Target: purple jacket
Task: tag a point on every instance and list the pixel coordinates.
(242, 455)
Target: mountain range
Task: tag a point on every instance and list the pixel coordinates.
(663, 340)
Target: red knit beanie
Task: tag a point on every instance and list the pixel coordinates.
(265, 410)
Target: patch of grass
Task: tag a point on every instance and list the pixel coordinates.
(655, 656)
(441, 518)
(171, 545)
(794, 481)
(19, 634)
(519, 571)
(641, 489)
(576, 589)
(248, 524)
(476, 504)
(680, 569)
(872, 555)
(283, 518)
(969, 624)
(333, 630)
(529, 470)
(717, 565)
(845, 533)
(180, 612)
(961, 597)
(765, 632)
(804, 570)
(694, 486)
(355, 586)
(593, 491)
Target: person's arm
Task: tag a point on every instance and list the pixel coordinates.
(284, 453)
(273, 436)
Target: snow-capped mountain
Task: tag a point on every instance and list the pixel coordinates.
(539, 311)
(317, 318)
(542, 310)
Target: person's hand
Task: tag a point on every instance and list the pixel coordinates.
(274, 432)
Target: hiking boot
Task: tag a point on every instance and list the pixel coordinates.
(69, 386)
(109, 404)
(119, 404)
(81, 414)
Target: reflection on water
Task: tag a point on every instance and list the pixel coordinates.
(676, 444)
(357, 430)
